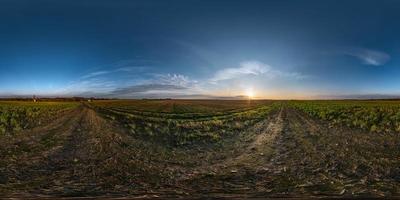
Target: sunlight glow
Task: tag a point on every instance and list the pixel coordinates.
(250, 93)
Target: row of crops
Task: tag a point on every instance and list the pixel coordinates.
(181, 128)
(181, 106)
(373, 116)
(16, 116)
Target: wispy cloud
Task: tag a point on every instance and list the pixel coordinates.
(132, 65)
(245, 68)
(291, 75)
(118, 82)
(87, 87)
(130, 69)
(145, 88)
(172, 84)
(105, 72)
(94, 74)
(253, 68)
(102, 82)
(175, 79)
(156, 85)
(368, 56)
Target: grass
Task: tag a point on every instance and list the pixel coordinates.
(181, 148)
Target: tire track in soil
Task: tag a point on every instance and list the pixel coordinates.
(295, 172)
(287, 155)
(268, 131)
(239, 175)
(59, 171)
(321, 160)
(304, 164)
(287, 173)
(73, 169)
(33, 139)
(92, 157)
(96, 158)
(39, 172)
(21, 153)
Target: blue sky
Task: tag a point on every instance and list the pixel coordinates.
(200, 49)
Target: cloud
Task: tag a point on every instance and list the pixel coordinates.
(245, 68)
(156, 85)
(86, 86)
(133, 65)
(175, 79)
(94, 74)
(291, 75)
(130, 69)
(103, 82)
(368, 56)
(254, 68)
(105, 72)
(145, 88)
(160, 84)
(119, 82)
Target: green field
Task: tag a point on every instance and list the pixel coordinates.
(17, 115)
(200, 148)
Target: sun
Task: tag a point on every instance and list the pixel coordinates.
(250, 93)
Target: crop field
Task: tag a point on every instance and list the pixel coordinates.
(200, 148)
(15, 116)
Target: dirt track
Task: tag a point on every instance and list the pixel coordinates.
(287, 155)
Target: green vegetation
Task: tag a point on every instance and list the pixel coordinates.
(181, 106)
(185, 122)
(194, 148)
(16, 116)
(373, 116)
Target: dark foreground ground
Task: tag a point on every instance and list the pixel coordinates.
(287, 155)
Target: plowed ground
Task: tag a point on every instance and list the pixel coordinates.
(289, 154)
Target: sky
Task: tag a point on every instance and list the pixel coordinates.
(279, 49)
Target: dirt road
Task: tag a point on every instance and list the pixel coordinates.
(286, 155)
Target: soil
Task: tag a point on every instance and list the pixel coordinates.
(289, 154)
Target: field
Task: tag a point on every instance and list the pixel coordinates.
(200, 148)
